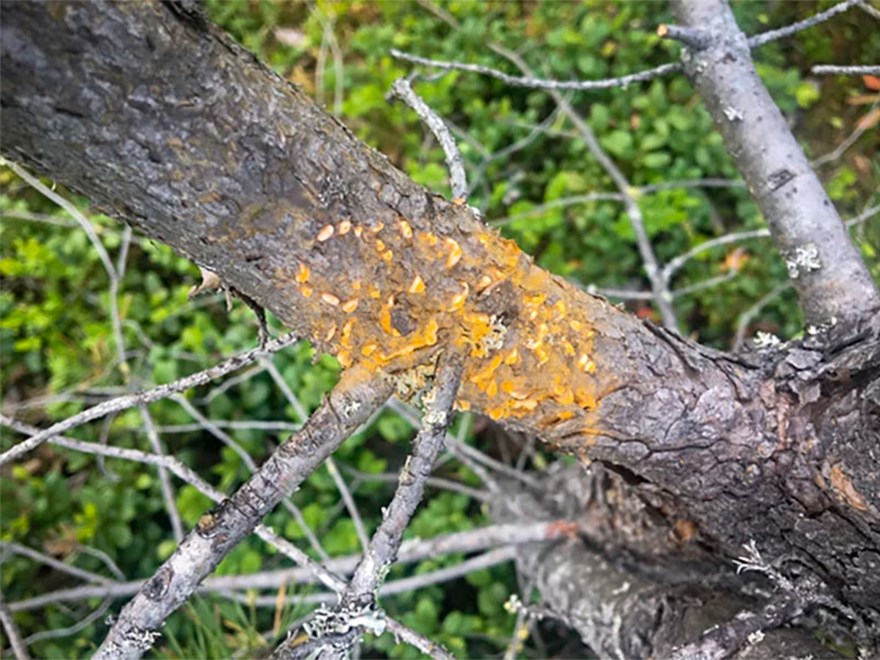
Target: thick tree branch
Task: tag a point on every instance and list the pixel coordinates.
(351, 403)
(832, 281)
(180, 132)
(358, 601)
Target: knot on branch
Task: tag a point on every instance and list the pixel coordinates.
(693, 38)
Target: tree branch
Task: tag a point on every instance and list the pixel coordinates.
(476, 540)
(835, 70)
(402, 89)
(832, 281)
(540, 83)
(13, 634)
(794, 28)
(348, 405)
(358, 602)
(147, 396)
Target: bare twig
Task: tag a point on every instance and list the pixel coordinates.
(234, 425)
(840, 149)
(66, 631)
(562, 202)
(433, 482)
(413, 550)
(351, 402)
(164, 481)
(662, 295)
(357, 606)
(465, 452)
(82, 574)
(794, 28)
(676, 264)
(752, 312)
(187, 475)
(480, 562)
(402, 89)
(142, 398)
(660, 288)
(837, 70)
(866, 7)
(13, 634)
(539, 83)
(413, 638)
(349, 502)
(114, 273)
(385, 544)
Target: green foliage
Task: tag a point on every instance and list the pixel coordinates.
(58, 346)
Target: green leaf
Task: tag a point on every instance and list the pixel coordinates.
(619, 143)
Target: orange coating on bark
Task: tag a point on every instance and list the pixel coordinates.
(325, 234)
(302, 275)
(536, 359)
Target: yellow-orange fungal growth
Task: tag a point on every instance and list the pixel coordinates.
(325, 233)
(345, 338)
(380, 245)
(417, 285)
(369, 348)
(343, 227)
(330, 299)
(350, 305)
(302, 274)
(459, 298)
(484, 283)
(358, 231)
(427, 336)
(344, 358)
(454, 255)
(306, 290)
(387, 256)
(377, 228)
(356, 285)
(405, 229)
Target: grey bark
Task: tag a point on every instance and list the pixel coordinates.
(833, 283)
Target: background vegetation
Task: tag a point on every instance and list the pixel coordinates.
(526, 169)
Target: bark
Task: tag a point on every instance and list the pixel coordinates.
(167, 124)
(834, 285)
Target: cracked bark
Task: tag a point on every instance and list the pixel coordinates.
(167, 124)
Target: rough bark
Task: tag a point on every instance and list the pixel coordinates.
(167, 124)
